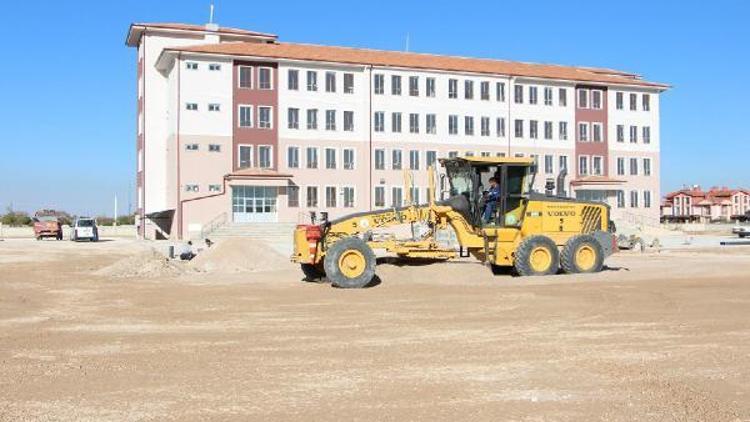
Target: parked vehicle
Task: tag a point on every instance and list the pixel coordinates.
(84, 228)
(741, 231)
(47, 226)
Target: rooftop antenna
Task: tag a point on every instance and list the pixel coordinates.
(211, 14)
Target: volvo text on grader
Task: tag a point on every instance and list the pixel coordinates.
(535, 233)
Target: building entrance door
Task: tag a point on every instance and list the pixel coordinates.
(254, 204)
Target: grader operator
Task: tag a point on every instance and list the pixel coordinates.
(536, 234)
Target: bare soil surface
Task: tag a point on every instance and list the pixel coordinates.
(654, 337)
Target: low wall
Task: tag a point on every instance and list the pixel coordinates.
(104, 231)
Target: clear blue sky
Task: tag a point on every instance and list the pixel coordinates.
(68, 80)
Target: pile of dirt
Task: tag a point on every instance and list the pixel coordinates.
(238, 255)
(145, 264)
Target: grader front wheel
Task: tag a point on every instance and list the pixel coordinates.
(350, 263)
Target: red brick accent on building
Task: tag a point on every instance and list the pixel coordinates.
(591, 115)
(255, 97)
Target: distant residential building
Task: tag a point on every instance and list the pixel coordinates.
(692, 204)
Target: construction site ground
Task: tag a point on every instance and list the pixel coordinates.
(656, 336)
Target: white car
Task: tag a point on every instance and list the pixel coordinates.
(741, 231)
(84, 228)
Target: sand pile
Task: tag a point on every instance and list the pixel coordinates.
(238, 255)
(145, 264)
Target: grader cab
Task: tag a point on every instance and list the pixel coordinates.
(534, 233)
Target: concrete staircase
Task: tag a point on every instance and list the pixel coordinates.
(276, 235)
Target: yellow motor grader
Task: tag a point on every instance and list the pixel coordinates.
(534, 233)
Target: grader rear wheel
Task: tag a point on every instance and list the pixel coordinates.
(582, 254)
(350, 263)
(536, 255)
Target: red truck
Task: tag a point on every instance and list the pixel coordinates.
(47, 226)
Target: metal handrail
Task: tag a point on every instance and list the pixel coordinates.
(214, 224)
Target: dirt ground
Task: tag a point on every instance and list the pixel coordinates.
(655, 337)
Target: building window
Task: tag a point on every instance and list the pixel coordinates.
(396, 122)
(563, 129)
(396, 159)
(430, 158)
(583, 98)
(312, 118)
(596, 165)
(349, 121)
(348, 83)
(293, 79)
(312, 197)
(414, 194)
(379, 123)
(330, 158)
(264, 78)
(264, 156)
(518, 94)
(646, 199)
(452, 88)
(469, 125)
(396, 197)
(413, 123)
(379, 159)
(214, 67)
(395, 85)
(330, 196)
(214, 188)
(533, 129)
(619, 101)
(500, 154)
(431, 124)
(379, 84)
(293, 118)
(468, 89)
(633, 102)
(620, 133)
(214, 148)
(633, 199)
(292, 157)
(264, 117)
(547, 130)
(633, 166)
(330, 82)
(484, 90)
(191, 106)
(214, 107)
(453, 124)
(191, 188)
(379, 196)
(312, 80)
(563, 162)
(312, 158)
(292, 195)
(647, 167)
(246, 116)
(485, 154)
(430, 87)
(583, 132)
(500, 91)
(620, 166)
(547, 96)
(518, 128)
(633, 134)
(596, 129)
(532, 95)
(583, 165)
(246, 156)
(414, 160)
(469, 154)
(562, 97)
(330, 119)
(500, 126)
(348, 159)
(646, 102)
(596, 99)
(191, 147)
(246, 77)
(191, 65)
(414, 86)
(646, 134)
(549, 164)
(484, 126)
